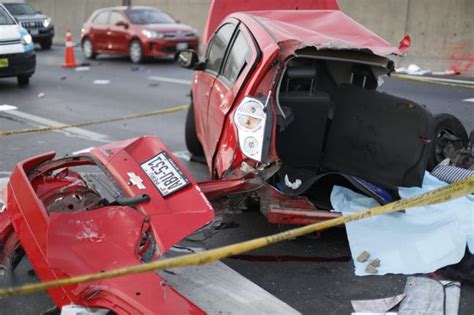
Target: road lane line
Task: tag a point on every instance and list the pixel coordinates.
(72, 132)
(6, 107)
(183, 155)
(470, 100)
(170, 80)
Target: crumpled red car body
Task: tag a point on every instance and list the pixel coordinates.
(67, 229)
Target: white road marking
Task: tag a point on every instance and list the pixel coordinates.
(101, 82)
(231, 292)
(86, 150)
(3, 183)
(170, 80)
(5, 173)
(5, 107)
(72, 132)
(183, 155)
(470, 100)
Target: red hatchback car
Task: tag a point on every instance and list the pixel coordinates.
(138, 32)
(286, 97)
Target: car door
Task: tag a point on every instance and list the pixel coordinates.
(240, 58)
(98, 31)
(201, 92)
(117, 34)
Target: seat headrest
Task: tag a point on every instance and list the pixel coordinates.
(301, 73)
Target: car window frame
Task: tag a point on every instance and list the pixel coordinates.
(237, 32)
(212, 72)
(94, 20)
(124, 18)
(8, 16)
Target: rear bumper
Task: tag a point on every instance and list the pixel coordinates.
(168, 48)
(19, 64)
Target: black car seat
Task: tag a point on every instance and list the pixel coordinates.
(300, 144)
(379, 137)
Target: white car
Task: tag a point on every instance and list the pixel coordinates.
(17, 55)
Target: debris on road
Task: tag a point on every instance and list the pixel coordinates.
(426, 296)
(41, 95)
(371, 269)
(377, 305)
(363, 257)
(375, 263)
(413, 70)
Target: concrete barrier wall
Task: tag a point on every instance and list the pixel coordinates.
(441, 30)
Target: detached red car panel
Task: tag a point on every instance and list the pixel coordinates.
(133, 204)
(290, 97)
(137, 32)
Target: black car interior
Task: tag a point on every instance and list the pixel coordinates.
(347, 126)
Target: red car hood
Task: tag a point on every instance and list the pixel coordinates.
(331, 29)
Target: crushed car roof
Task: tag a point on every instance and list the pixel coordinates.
(330, 29)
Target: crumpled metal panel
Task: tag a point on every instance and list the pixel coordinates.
(67, 229)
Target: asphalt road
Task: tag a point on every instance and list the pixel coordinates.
(68, 96)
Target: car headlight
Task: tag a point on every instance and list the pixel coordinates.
(152, 34)
(251, 121)
(26, 39)
(46, 22)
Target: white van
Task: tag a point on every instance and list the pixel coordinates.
(17, 55)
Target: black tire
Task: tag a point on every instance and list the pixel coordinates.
(23, 80)
(192, 141)
(135, 51)
(446, 123)
(88, 49)
(46, 44)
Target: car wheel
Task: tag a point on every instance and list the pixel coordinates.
(192, 141)
(135, 51)
(450, 136)
(46, 44)
(88, 49)
(23, 80)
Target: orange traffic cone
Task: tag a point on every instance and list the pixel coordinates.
(69, 57)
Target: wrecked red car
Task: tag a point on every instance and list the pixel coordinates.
(118, 205)
(289, 97)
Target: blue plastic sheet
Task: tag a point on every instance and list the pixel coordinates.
(421, 240)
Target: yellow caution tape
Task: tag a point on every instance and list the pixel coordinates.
(97, 122)
(450, 192)
(429, 80)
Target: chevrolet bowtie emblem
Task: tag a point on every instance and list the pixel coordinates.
(136, 180)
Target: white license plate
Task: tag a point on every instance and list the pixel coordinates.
(181, 46)
(165, 174)
(34, 32)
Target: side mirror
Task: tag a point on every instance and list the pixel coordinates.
(122, 24)
(39, 12)
(188, 59)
